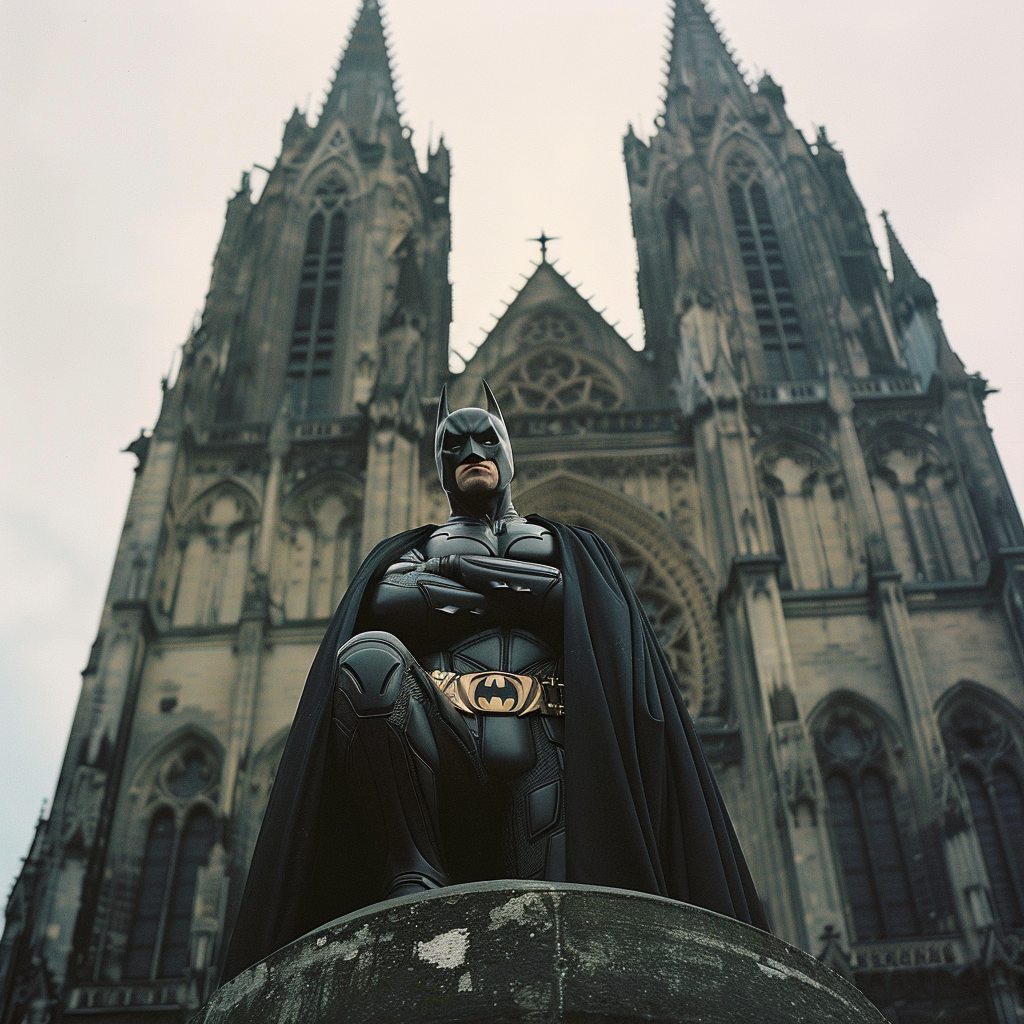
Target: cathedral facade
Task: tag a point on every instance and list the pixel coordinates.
(795, 473)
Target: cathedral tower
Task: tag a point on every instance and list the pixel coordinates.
(287, 445)
(863, 539)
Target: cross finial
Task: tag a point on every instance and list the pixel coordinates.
(543, 240)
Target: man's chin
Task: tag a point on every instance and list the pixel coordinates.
(477, 489)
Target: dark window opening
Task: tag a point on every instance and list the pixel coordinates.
(991, 768)
(158, 942)
(998, 812)
(311, 354)
(872, 858)
(785, 351)
(848, 830)
(785, 577)
(196, 842)
(677, 221)
(149, 904)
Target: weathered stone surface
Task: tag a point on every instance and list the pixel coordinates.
(536, 951)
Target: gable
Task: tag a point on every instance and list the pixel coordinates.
(552, 350)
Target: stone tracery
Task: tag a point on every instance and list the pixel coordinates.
(213, 544)
(670, 589)
(557, 379)
(317, 542)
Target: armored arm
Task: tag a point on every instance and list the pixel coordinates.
(527, 587)
(411, 593)
(413, 590)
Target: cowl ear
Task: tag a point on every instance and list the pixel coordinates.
(442, 408)
(492, 405)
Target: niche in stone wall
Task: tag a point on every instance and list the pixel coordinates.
(931, 528)
(317, 548)
(805, 494)
(213, 544)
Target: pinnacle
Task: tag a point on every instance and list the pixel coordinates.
(364, 88)
(907, 283)
(697, 48)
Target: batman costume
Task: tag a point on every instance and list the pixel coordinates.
(489, 701)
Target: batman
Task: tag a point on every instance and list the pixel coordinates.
(489, 701)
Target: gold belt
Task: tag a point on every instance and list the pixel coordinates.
(501, 693)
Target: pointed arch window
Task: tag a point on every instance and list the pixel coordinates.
(311, 353)
(179, 839)
(990, 767)
(782, 339)
(150, 901)
(873, 845)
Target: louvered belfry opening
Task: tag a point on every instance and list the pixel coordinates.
(311, 353)
(782, 339)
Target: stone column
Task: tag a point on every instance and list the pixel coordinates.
(391, 498)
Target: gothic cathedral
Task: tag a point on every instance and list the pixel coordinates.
(795, 472)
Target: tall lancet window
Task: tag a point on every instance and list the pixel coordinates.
(782, 339)
(178, 842)
(316, 316)
(987, 754)
(884, 868)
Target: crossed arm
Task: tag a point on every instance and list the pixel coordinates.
(416, 590)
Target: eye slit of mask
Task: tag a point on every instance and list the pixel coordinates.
(488, 437)
(453, 442)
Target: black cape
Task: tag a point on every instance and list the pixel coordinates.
(643, 811)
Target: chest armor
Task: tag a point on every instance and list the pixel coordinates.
(512, 539)
(529, 648)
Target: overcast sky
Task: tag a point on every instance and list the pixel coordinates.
(126, 125)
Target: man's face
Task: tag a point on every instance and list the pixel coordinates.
(476, 476)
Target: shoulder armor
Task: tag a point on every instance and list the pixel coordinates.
(527, 542)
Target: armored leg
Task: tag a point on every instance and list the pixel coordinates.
(388, 724)
(534, 829)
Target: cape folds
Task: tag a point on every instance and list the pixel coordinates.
(643, 811)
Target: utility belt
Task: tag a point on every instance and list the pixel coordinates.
(501, 693)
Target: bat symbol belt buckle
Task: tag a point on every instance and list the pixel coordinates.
(500, 693)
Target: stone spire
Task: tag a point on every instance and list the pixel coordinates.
(363, 90)
(700, 62)
(909, 288)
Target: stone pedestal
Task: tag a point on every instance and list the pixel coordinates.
(537, 952)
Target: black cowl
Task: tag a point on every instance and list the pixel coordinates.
(469, 434)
